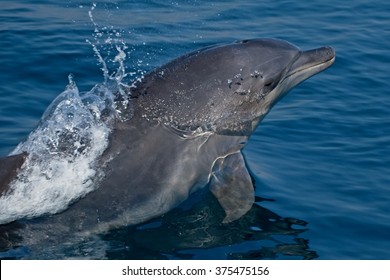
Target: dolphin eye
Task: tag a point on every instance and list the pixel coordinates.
(242, 41)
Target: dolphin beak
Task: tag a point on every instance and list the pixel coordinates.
(309, 63)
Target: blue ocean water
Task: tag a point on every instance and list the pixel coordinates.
(320, 159)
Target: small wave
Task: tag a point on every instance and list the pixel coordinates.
(63, 150)
(72, 134)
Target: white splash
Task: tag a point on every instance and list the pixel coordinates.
(63, 150)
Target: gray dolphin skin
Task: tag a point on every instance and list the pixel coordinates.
(185, 130)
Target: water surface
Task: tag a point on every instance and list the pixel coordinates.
(320, 159)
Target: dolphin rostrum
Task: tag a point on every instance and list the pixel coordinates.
(184, 129)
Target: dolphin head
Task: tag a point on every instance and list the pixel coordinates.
(268, 69)
(227, 88)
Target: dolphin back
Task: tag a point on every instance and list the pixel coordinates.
(9, 167)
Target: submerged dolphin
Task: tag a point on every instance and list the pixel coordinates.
(185, 128)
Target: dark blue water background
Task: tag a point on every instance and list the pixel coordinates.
(321, 157)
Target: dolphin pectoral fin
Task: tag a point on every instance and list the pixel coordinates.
(231, 184)
(9, 167)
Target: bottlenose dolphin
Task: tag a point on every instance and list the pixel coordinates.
(184, 129)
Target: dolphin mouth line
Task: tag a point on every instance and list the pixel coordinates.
(322, 65)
